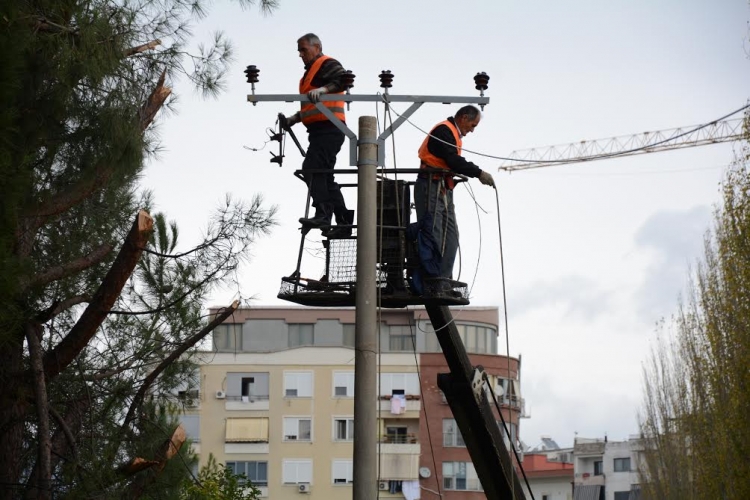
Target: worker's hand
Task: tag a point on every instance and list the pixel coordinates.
(314, 95)
(486, 179)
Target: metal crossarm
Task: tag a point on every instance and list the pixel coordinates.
(416, 102)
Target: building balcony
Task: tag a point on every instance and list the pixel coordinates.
(247, 403)
(399, 466)
(400, 444)
(412, 409)
(589, 479)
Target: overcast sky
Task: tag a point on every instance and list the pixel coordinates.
(595, 254)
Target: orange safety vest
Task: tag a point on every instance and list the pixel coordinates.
(430, 160)
(308, 112)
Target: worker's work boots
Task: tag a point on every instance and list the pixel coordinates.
(344, 223)
(323, 214)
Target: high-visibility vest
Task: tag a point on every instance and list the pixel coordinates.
(430, 160)
(308, 112)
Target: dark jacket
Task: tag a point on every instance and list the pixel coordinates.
(456, 162)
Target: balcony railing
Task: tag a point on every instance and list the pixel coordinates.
(399, 438)
(247, 399)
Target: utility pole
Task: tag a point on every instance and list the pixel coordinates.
(366, 325)
(366, 151)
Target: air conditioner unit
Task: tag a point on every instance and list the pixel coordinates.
(383, 485)
(221, 394)
(303, 487)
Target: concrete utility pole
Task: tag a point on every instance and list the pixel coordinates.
(366, 325)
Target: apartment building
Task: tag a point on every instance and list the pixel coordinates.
(607, 470)
(549, 471)
(276, 402)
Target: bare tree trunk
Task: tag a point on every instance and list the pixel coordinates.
(13, 407)
(41, 489)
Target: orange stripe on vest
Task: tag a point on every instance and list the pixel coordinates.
(430, 160)
(308, 112)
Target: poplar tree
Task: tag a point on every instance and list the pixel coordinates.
(696, 415)
(99, 308)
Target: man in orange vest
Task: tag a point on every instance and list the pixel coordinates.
(322, 76)
(433, 191)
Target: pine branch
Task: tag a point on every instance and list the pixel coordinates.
(58, 204)
(187, 344)
(154, 102)
(85, 328)
(142, 48)
(67, 269)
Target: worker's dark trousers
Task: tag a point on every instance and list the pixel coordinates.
(321, 155)
(431, 196)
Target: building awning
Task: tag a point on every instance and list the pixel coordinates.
(247, 430)
(587, 492)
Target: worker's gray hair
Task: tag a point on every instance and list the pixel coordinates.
(469, 111)
(312, 39)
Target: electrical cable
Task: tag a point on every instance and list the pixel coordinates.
(413, 335)
(512, 445)
(586, 158)
(507, 338)
(412, 332)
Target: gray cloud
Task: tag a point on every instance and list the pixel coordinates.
(579, 296)
(676, 238)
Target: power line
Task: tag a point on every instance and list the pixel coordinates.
(627, 152)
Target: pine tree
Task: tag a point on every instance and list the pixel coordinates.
(98, 315)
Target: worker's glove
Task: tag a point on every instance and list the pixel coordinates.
(314, 95)
(288, 121)
(486, 179)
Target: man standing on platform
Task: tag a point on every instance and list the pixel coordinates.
(433, 191)
(322, 76)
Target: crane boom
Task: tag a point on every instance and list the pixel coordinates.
(625, 145)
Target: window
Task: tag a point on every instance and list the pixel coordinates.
(349, 335)
(622, 495)
(396, 435)
(343, 384)
(297, 429)
(477, 338)
(406, 382)
(247, 387)
(228, 337)
(247, 430)
(192, 426)
(256, 472)
(545, 497)
(460, 476)
(598, 468)
(342, 472)
(300, 334)
(296, 471)
(622, 464)
(343, 429)
(512, 430)
(401, 338)
(451, 434)
(298, 384)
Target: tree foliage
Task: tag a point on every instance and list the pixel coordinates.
(216, 482)
(696, 416)
(98, 313)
